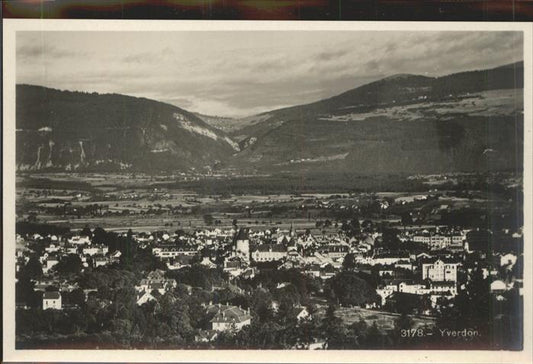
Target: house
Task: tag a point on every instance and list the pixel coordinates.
(248, 273)
(50, 262)
(335, 251)
(205, 336)
(173, 251)
(95, 250)
(447, 288)
(388, 258)
(70, 249)
(206, 262)
(156, 280)
(79, 240)
(313, 270)
(269, 252)
(404, 265)
(508, 259)
(228, 318)
(100, 261)
(52, 248)
(499, 286)
(437, 241)
(52, 300)
(303, 314)
(143, 297)
(327, 272)
(181, 261)
(440, 270)
(114, 257)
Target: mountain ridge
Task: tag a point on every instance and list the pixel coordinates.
(401, 123)
(65, 130)
(407, 124)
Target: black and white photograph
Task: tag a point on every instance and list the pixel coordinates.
(261, 187)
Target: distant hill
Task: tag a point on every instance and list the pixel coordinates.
(469, 121)
(223, 123)
(404, 123)
(63, 130)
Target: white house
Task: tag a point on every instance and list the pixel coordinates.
(143, 297)
(440, 271)
(499, 286)
(208, 263)
(229, 317)
(303, 314)
(269, 252)
(508, 260)
(52, 300)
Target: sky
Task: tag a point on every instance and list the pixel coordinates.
(242, 73)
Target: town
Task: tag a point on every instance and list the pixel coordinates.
(340, 271)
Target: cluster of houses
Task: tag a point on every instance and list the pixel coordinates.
(91, 255)
(432, 272)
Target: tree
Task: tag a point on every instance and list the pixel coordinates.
(352, 227)
(333, 329)
(407, 219)
(349, 262)
(32, 269)
(390, 239)
(374, 337)
(69, 264)
(86, 231)
(402, 323)
(348, 289)
(76, 297)
(208, 219)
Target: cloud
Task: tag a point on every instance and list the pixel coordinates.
(43, 50)
(241, 73)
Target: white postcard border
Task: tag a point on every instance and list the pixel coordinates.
(11, 26)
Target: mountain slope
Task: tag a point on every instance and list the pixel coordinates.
(226, 124)
(62, 130)
(405, 123)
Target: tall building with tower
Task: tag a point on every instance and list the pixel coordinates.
(242, 244)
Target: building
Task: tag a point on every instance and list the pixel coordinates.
(440, 271)
(100, 261)
(228, 317)
(52, 301)
(173, 251)
(269, 252)
(156, 281)
(437, 241)
(143, 297)
(303, 314)
(242, 244)
(335, 251)
(388, 258)
(234, 266)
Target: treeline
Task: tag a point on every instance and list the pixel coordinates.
(301, 183)
(30, 228)
(110, 317)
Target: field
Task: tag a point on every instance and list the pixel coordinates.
(384, 320)
(486, 103)
(171, 202)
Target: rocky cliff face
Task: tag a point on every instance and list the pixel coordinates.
(61, 130)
